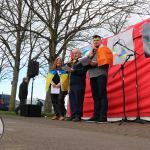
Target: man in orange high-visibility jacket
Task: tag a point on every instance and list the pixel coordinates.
(101, 58)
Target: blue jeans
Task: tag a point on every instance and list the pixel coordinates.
(99, 93)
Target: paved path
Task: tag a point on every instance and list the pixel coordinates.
(25, 133)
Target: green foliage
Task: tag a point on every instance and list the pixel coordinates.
(12, 113)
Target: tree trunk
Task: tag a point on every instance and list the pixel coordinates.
(48, 102)
(64, 54)
(17, 59)
(14, 88)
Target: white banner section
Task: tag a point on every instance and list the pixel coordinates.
(122, 47)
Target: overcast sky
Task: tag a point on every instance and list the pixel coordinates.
(39, 83)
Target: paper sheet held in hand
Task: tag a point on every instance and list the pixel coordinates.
(84, 60)
(55, 90)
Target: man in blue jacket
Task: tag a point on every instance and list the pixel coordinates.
(77, 86)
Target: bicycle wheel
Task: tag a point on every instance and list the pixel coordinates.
(1, 127)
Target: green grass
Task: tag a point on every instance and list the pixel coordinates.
(12, 113)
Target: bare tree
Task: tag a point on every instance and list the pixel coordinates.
(143, 10)
(64, 20)
(5, 69)
(17, 43)
(116, 24)
(15, 17)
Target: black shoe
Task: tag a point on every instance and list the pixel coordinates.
(76, 119)
(102, 120)
(69, 119)
(93, 119)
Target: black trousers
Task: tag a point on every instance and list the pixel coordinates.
(22, 102)
(99, 93)
(76, 97)
(58, 104)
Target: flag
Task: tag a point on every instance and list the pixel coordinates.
(123, 53)
(121, 46)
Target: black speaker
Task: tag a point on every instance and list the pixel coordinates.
(33, 69)
(30, 110)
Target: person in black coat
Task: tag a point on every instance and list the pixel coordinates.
(23, 92)
(77, 87)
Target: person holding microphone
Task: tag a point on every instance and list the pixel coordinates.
(101, 57)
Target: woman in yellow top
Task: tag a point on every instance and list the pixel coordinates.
(57, 81)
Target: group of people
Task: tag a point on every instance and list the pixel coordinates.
(72, 81)
(61, 81)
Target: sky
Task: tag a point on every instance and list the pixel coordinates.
(38, 89)
(39, 82)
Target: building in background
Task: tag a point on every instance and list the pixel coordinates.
(4, 102)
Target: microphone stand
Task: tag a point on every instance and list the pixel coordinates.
(138, 119)
(32, 89)
(124, 119)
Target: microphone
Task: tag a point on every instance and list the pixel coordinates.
(130, 55)
(116, 42)
(94, 51)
